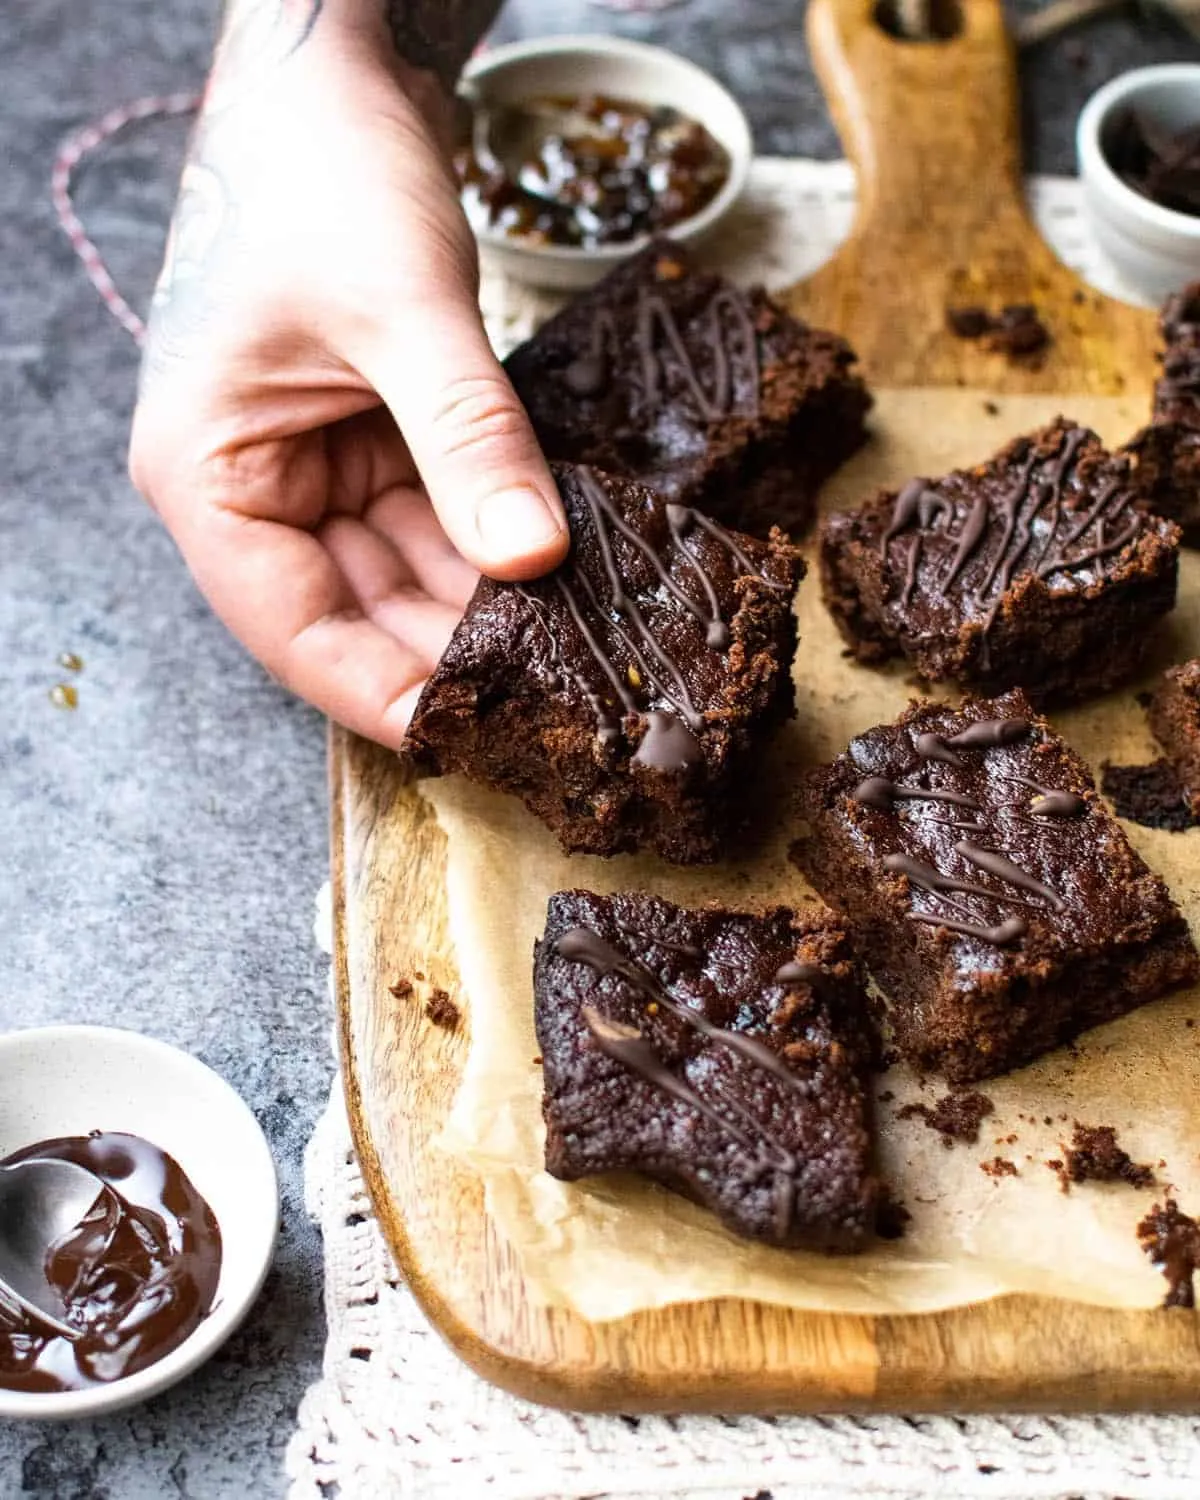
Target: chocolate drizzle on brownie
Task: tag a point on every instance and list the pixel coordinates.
(727, 338)
(669, 742)
(881, 793)
(581, 945)
(920, 510)
(634, 1049)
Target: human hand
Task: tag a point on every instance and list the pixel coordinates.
(321, 424)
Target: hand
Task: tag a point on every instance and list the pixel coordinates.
(322, 424)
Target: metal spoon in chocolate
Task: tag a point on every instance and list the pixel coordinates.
(40, 1201)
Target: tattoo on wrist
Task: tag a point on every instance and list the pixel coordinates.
(257, 37)
(439, 34)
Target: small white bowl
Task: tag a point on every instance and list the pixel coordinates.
(1156, 249)
(70, 1080)
(574, 65)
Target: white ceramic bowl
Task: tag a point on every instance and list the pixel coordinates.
(69, 1080)
(575, 65)
(1156, 249)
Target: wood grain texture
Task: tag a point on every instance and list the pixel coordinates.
(933, 132)
(932, 129)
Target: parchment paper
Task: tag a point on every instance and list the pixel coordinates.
(610, 1246)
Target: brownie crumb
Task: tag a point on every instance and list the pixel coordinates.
(891, 1217)
(401, 990)
(1095, 1156)
(889, 1059)
(970, 322)
(1172, 1241)
(998, 1167)
(957, 1117)
(887, 1096)
(442, 1011)
(1056, 1166)
(991, 408)
(1150, 795)
(1018, 332)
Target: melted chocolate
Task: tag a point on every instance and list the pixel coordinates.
(1112, 518)
(726, 335)
(588, 373)
(727, 314)
(670, 740)
(882, 794)
(137, 1276)
(627, 1045)
(989, 734)
(668, 744)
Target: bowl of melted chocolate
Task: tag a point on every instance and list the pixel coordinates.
(173, 1250)
(573, 151)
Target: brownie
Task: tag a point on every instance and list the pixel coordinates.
(1174, 714)
(1035, 570)
(723, 1053)
(1166, 453)
(997, 900)
(624, 697)
(715, 396)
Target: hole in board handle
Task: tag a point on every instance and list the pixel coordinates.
(919, 20)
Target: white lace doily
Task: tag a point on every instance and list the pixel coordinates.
(396, 1414)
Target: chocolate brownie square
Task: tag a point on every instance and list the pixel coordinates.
(723, 1053)
(1166, 454)
(997, 900)
(1174, 714)
(1037, 570)
(624, 697)
(714, 396)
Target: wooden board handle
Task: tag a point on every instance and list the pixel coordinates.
(932, 128)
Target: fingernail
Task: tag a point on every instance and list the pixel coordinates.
(516, 522)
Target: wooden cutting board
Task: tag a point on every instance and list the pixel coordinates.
(932, 129)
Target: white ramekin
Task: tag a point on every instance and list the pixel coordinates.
(625, 70)
(70, 1080)
(1156, 249)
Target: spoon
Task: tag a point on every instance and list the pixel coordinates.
(40, 1200)
(502, 139)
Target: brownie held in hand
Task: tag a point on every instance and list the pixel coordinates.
(1037, 569)
(1174, 713)
(713, 396)
(997, 900)
(624, 696)
(1167, 453)
(724, 1054)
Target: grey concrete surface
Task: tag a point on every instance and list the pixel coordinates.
(160, 846)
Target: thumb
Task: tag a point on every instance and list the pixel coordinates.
(470, 438)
